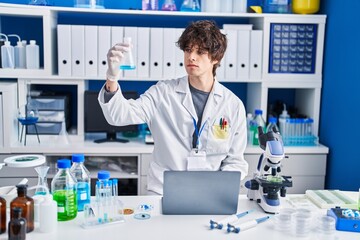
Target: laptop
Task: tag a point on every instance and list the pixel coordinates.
(200, 192)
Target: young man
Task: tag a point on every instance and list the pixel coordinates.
(196, 123)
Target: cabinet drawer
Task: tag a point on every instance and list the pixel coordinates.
(49, 103)
(45, 128)
(51, 116)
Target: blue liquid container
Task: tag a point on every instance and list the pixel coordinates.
(190, 6)
(128, 62)
(127, 67)
(82, 176)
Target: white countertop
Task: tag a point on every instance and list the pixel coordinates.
(176, 227)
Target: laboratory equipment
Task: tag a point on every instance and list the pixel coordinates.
(63, 188)
(19, 53)
(246, 225)
(150, 4)
(169, 5)
(17, 225)
(267, 188)
(143, 212)
(48, 214)
(257, 121)
(26, 203)
(190, 6)
(128, 59)
(272, 124)
(40, 2)
(220, 224)
(305, 6)
(42, 187)
(330, 199)
(28, 115)
(32, 55)
(2, 215)
(82, 176)
(7, 54)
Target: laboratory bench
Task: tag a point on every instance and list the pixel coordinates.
(180, 227)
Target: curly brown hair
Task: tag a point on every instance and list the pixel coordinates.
(207, 36)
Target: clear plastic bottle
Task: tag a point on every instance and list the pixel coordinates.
(17, 225)
(282, 122)
(48, 214)
(2, 215)
(7, 54)
(26, 203)
(63, 188)
(272, 126)
(32, 55)
(255, 123)
(190, 6)
(19, 52)
(128, 60)
(82, 175)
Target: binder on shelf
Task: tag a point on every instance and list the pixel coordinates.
(256, 40)
(133, 33)
(117, 36)
(247, 27)
(91, 54)
(169, 52)
(180, 70)
(104, 45)
(243, 54)
(230, 55)
(64, 49)
(156, 52)
(77, 50)
(143, 49)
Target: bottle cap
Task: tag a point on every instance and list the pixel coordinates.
(102, 175)
(272, 119)
(32, 42)
(78, 158)
(258, 111)
(284, 113)
(64, 163)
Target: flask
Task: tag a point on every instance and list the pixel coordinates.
(19, 53)
(17, 225)
(282, 122)
(48, 214)
(63, 188)
(32, 55)
(2, 215)
(128, 60)
(168, 5)
(26, 203)
(190, 6)
(82, 175)
(272, 127)
(7, 54)
(258, 121)
(150, 4)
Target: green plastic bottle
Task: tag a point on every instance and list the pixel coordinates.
(63, 188)
(256, 122)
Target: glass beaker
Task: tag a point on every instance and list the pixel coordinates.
(169, 5)
(128, 60)
(42, 187)
(190, 6)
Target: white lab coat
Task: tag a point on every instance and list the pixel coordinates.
(168, 109)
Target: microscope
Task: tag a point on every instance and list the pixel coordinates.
(268, 185)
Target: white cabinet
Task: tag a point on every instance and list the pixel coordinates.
(305, 87)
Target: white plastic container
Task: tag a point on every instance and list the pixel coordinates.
(19, 53)
(32, 55)
(48, 215)
(7, 54)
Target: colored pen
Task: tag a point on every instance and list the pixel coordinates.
(221, 122)
(246, 225)
(220, 224)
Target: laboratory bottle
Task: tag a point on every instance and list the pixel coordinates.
(48, 214)
(128, 60)
(169, 5)
(19, 52)
(258, 121)
(249, 118)
(63, 189)
(17, 225)
(190, 6)
(272, 126)
(26, 203)
(102, 185)
(32, 55)
(2, 215)
(82, 175)
(150, 4)
(7, 54)
(282, 122)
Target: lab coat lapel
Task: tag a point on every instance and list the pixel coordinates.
(187, 102)
(212, 102)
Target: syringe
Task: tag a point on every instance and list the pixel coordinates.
(220, 224)
(246, 225)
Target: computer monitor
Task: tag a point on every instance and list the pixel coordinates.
(95, 121)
